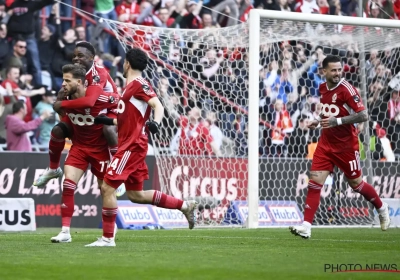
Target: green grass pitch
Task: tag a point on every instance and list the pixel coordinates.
(198, 254)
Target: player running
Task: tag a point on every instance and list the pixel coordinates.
(89, 144)
(128, 164)
(95, 75)
(338, 145)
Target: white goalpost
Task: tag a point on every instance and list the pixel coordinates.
(221, 141)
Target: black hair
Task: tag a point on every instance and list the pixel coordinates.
(17, 106)
(330, 59)
(86, 45)
(77, 71)
(137, 59)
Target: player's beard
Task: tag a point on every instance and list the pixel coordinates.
(335, 80)
(72, 90)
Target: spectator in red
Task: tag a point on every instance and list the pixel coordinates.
(323, 7)
(195, 138)
(245, 15)
(394, 120)
(17, 129)
(146, 16)
(307, 7)
(192, 20)
(164, 15)
(11, 85)
(127, 10)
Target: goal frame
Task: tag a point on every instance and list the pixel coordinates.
(253, 117)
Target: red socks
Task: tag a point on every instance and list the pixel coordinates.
(56, 146)
(312, 201)
(67, 204)
(369, 193)
(166, 201)
(109, 215)
(113, 150)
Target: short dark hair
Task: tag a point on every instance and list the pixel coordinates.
(77, 71)
(137, 59)
(330, 59)
(17, 106)
(10, 68)
(86, 45)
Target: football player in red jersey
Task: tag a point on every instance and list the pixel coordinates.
(342, 107)
(89, 144)
(128, 165)
(97, 76)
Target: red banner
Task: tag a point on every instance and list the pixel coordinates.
(224, 179)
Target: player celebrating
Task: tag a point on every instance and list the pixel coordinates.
(95, 75)
(338, 145)
(89, 144)
(128, 164)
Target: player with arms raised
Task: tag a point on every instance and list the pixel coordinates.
(89, 144)
(338, 145)
(95, 76)
(128, 165)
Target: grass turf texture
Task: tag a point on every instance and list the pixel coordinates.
(198, 254)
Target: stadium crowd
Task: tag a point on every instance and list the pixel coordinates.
(209, 85)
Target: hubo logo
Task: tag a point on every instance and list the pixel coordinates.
(285, 213)
(14, 217)
(330, 110)
(263, 216)
(81, 120)
(169, 215)
(135, 214)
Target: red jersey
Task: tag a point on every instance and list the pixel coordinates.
(195, 139)
(86, 134)
(339, 102)
(133, 113)
(98, 75)
(128, 9)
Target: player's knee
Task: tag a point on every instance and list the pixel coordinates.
(354, 183)
(136, 197)
(106, 190)
(57, 132)
(110, 133)
(60, 130)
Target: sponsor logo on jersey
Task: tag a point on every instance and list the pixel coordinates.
(334, 97)
(330, 110)
(87, 111)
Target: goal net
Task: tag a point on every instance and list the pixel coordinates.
(203, 77)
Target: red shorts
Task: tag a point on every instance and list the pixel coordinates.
(129, 168)
(81, 158)
(347, 161)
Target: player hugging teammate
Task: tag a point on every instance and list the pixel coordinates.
(338, 145)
